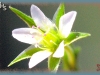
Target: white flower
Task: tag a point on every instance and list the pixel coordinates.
(35, 35)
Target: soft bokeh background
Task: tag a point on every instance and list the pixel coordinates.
(87, 20)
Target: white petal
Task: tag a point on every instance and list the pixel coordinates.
(60, 50)
(38, 57)
(24, 35)
(66, 23)
(40, 19)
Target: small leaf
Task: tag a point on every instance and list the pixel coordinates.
(27, 53)
(53, 63)
(27, 19)
(60, 11)
(73, 36)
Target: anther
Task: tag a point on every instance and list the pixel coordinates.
(44, 34)
(38, 27)
(33, 27)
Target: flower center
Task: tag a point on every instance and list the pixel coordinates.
(51, 39)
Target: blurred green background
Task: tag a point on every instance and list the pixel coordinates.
(87, 20)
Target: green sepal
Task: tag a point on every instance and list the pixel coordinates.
(59, 12)
(27, 19)
(73, 36)
(27, 53)
(53, 63)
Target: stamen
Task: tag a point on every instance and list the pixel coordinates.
(46, 42)
(53, 42)
(54, 36)
(43, 48)
(40, 46)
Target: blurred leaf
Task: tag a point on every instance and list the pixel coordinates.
(65, 64)
(27, 53)
(73, 36)
(68, 59)
(27, 19)
(60, 11)
(53, 63)
(76, 51)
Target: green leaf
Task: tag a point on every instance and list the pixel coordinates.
(73, 36)
(53, 63)
(60, 11)
(27, 19)
(27, 53)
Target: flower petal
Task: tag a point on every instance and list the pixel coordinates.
(66, 23)
(38, 57)
(40, 19)
(24, 35)
(60, 50)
